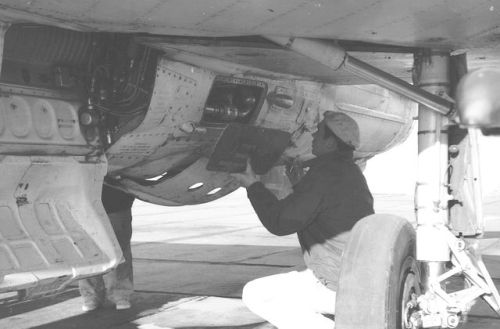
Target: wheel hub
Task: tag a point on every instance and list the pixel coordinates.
(410, 317)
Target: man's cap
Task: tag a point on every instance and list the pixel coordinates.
(344, 127)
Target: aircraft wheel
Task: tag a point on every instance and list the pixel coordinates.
(379, 276)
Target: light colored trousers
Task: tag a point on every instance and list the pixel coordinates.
(117, 284)
(294, 300)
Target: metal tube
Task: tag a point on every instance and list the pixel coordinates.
(336, 57)
(327, 54)
(476, 182)
(401, 87)
(431, 200)
(430, 272)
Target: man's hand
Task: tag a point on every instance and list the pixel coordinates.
(294, 171)
(248, 177)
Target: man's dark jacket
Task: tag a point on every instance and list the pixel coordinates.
(326, 202)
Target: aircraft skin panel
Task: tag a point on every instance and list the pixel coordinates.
(26, 122)
(254, 54)
(178, 98)
(441, 24)
(164, 158)
(54, 228)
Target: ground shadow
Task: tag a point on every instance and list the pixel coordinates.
(165, 275)
(103, 318)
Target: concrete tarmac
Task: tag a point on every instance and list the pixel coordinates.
(190, 265)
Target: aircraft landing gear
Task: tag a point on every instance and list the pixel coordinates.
(393, 278)
(381, 285)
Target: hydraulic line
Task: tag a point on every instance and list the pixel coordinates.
(335, 57)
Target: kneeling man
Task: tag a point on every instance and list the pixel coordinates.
(323, 208)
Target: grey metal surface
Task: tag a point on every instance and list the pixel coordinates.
(441, 23)
(463, 26)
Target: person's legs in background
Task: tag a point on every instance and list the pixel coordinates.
(117, 285)
(119, 282)
(93, 292)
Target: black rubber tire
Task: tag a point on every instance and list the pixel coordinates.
(378, 268)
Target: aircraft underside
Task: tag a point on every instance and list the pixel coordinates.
(167, 112)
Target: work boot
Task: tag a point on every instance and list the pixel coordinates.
(92, 291)
(90, 305)
(122, 304)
